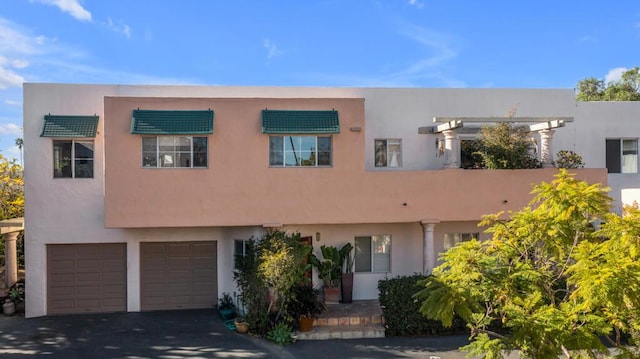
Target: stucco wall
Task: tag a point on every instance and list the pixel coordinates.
(594, 123)
(73, 210)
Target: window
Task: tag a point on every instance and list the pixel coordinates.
(174, 151)
(300, 151)
(373, 253)
(388, 153)
(622, 155)
(239, 251)
(73, 159)
(452, 239)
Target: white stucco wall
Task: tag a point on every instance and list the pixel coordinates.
(594, 123)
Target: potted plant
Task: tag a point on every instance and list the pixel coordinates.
(346, 279)
(241, 325)
(16, 294)
(305, 306)
(226, 307)
(330, 270)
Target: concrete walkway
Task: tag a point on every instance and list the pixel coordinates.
(188, 334)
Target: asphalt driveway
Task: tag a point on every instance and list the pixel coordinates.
(188, 334)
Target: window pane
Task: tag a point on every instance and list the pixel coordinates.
(275, 151)
(62, 158)
(394, 153)
(199, 152)
(324, 151)
(149, 152)
(166, 143)
(308, 143)
(381, 153)
(167, 159)
(83, 149)
(291, 159)
(149, 144)
(613, 156)
(362, 256)
(292, 143)
(307, 158)
(183, 159)
(629, 156)
(84, 168)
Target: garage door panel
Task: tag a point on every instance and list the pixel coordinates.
(86, 278)
(179, 249)
(151, 263)
(179, 263)
(178, 276)
(184, 277)
(65, 266)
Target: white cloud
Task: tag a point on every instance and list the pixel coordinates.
(10, 129)
(72, 7)
(614, 74)
(440, 49)
(416, 3)
(9, 78)
(120, 27)
(13, 102)
(588, 38)
(272, 49)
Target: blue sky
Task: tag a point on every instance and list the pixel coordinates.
(392, 43)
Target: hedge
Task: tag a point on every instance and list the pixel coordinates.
(400, 309)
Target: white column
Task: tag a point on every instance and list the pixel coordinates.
(546, 148)
(451, 149)
(428, 255)
(11, 258)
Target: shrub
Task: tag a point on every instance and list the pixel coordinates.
(506, 146)
(401, 309)
(568, 159)
(280, 334)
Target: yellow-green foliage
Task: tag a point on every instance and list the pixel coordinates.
(555, 282)
(11, 189)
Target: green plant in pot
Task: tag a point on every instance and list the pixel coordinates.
(347, 273)
(330, 270)
(226, 307)
(305, 306)
(16, 294)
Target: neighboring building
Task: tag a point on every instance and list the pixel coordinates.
(139, 197)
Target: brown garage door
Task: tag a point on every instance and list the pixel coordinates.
(86, 278)
(178, 275)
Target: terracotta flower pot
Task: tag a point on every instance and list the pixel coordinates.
(241, 326)
(305, 323)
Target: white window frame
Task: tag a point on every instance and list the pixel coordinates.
(237, 255)
(73, 160)
(384, 156)
(147, 158)
(273, 152)
(376, 254)
(451, 240)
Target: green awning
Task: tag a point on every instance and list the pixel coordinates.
(299, 122)
(69, 126)
(155, 122)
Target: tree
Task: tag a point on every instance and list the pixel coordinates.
(551, 281)
(20, 144)
(505, 146)
(11, 189)
(625, 89)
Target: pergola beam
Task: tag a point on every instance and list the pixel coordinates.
(502, 119)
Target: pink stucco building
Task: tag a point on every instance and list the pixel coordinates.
(139, 197)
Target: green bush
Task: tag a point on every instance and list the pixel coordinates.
(401, 309)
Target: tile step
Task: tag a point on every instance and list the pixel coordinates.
(377, 320)
(338, 332)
